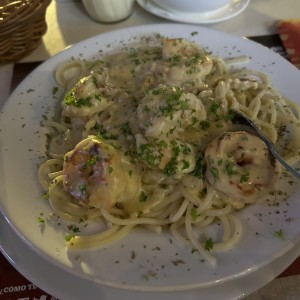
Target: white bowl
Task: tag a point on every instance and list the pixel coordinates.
(191, 6)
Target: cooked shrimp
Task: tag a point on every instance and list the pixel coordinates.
(96, 175)
(171, 157)
(86, 98)
(168, 111)
(240, 165)
(186, 61)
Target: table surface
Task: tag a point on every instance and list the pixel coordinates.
(68, 24)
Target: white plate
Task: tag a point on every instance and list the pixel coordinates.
(72, 287)
(234, 8)
(156, 264)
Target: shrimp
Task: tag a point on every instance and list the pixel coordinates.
(87, 97)
(96, 176)
(240, 165)
(186, 60)
(167, 111)
(172, 157)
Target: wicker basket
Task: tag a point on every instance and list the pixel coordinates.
(22, 25)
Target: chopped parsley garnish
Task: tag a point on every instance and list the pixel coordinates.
(245, 177)
(162, 144)
(171, 167)
(279, 234)
(208, 244)
(41, 220)
(184, 104)
(186, 165)
(215, 172)
(148, 153)
(126, 128)
(196, 59)
(194, 214)
(54, 90)
(102, 133)
(70, 99)
(134, 57)
(92, 161)
(69, 237)
(146, 108)
(74, 229)
(229, 168)
(214, 107)
(204, 125)
(46, 196)
(143, 197)
(82, 188)
(172, 100)
(230, 115)
(174, 60)
(200, 168)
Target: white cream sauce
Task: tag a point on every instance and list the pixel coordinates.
(164, 108)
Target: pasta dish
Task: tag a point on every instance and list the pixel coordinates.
(146, 137)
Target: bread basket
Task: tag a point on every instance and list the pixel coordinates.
(22, 25)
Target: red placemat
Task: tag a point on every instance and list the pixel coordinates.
(289, 32)
(14, 286)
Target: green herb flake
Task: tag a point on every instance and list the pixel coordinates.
(93, 160)
(147, 153)
(208, 244)
(194, 214)
(46, 196)
(230, 115)
(171, 167)
(215, 172)
(204, 125)
(279, 234)
(70, 99)
(82, 188)
(174, 60)
(74, 228)
(229, 168)
(126, 128)
(200, 168)
(41, 220)
(69, 237)
(245, 177)
(143, 197)
(54, 90)
(214, 107)
(186, 165)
